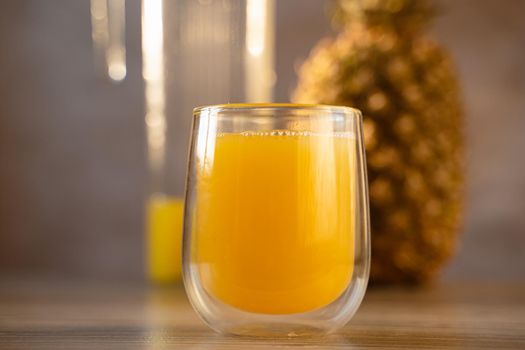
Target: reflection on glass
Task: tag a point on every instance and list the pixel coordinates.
(260, 76)
(108, 24)
(153, 73)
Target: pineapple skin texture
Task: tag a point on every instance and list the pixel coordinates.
(407, 89)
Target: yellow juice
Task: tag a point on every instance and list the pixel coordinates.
(274, 220)
(164, 238)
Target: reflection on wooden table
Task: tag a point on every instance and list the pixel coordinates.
(49, 314)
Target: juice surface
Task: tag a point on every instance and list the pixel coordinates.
(164, 238)
(274, 227)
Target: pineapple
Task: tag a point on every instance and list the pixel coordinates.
(382, 63)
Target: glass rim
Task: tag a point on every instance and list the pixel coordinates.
(275, 106)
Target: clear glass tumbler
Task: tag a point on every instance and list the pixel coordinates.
(276, 228)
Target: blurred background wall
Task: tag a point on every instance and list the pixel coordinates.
(72, 146)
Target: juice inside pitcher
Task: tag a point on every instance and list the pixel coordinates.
(164, 237)
(274, 220)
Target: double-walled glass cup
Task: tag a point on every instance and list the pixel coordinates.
(276, 228)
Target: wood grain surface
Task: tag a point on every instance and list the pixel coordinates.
(50, 314)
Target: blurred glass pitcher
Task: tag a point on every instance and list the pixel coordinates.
(194, 53)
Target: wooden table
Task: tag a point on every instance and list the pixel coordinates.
(66, 315)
